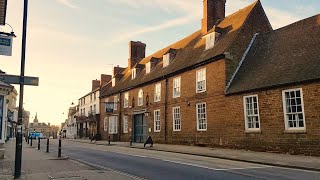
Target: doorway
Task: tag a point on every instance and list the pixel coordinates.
(140, 128)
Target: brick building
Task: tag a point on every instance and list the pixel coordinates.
(204, 89)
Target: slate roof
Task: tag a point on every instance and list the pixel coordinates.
(190, 52)
(284, 56)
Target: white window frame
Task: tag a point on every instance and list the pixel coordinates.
(133, 73)
(157, 120)
(140, 97)
(205, 116)
(126, 100)
(176, 118)
(148, 67)
(115, 102)
(285, 113)
(125, 124)
(166, 60)
(106, 123)
(113, 125)
(252, 114)
(201, 75)
(176, 87)
(157, 92)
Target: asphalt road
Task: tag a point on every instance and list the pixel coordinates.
(148, 164)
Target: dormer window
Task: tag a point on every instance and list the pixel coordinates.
(211, 39)
(148, 67)
(133, 73)
(113, 82)
(166, 59)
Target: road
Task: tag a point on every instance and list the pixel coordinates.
(148, 164)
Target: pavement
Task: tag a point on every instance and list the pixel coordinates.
(39, 165)
(264, 158)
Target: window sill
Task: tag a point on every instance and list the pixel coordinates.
(199, 92)
(258, 131)
(200, 130)
(176, 130)
(295, 131)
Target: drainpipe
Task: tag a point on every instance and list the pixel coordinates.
(120, 117)
(165, 111)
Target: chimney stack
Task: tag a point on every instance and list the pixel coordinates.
(105, 79)
(117, 70)
(213, 11)
(137, 51)
(95, 84)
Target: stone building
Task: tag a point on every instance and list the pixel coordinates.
(37, 126)
(235, 83)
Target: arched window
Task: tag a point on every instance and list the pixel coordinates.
(140, 98)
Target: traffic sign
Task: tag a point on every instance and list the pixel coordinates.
(13, 79)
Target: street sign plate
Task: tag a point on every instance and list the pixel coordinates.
(13, 79)
(3, 11)
(6, 45)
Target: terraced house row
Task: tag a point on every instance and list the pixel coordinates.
(235, 83)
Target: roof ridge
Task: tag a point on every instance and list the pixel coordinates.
(253, 6)
(295, 23)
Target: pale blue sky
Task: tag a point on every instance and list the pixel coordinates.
(71, 42)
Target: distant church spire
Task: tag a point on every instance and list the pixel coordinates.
(36, 118)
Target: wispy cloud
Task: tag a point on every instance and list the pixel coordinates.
(149, 29)
(190, 10)
(67, 3)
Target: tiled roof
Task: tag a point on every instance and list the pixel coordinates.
(284, 56)
(190, 52)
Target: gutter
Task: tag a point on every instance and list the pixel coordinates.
(241, 62)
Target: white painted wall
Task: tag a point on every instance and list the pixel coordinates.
(89, 103)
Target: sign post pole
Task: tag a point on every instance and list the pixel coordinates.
(17, 169)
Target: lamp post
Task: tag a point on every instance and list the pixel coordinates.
(17, 169)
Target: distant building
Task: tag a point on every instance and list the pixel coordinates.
(88, 119)
(71, 124)
(40, 127)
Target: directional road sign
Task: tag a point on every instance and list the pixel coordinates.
(13, 79)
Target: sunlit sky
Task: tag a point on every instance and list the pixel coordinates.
(71, 42)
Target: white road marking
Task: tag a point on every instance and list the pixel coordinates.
(207, 167)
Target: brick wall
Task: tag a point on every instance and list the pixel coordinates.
(273, 136)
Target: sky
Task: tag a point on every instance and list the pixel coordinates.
(72, 42)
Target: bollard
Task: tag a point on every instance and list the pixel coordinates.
(130, 140)
(47, 145)
(109, 140)
(31, 141)
(59, 148)
(38, 143)
(28, 139)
